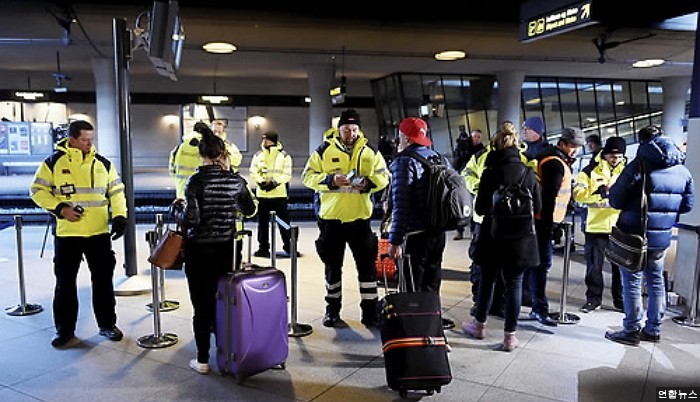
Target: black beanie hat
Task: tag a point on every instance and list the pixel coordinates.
(349, 116)
(272, 136)
(614, 145)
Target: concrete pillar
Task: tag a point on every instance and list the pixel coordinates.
(320, 110)
(510, 85)
(675, 90)
(106, 109)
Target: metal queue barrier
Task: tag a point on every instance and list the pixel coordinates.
(295, 328)
(164, 304)
(23, 308)
(692, 319)
(562, 317)
(158, 339)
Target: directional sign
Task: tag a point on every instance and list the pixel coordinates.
(560, 20)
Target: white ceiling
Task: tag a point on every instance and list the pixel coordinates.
(276, 49)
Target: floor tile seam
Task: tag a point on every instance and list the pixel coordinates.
(33, 397)
(338, 382)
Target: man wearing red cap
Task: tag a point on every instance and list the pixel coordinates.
(409, 190)
(345, 170)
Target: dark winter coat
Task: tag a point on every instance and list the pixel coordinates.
(505, 167)
(214, 198)
(670, 191)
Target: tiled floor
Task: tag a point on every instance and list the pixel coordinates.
(572, 362)
(569, 363)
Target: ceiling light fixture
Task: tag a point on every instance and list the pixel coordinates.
(219, 47)
(648, 63)
(215, 99)
(448, 55)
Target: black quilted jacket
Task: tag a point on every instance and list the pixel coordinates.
(214, 199)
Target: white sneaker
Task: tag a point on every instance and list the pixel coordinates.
(201, 368)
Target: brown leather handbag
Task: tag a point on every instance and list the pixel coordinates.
(169, 253)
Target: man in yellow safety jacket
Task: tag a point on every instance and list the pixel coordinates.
(185, 159)
(80, 186)
(345, 170)
(271, 171)
(591, 190)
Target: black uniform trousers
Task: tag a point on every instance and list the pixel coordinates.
(265, 206)
(363, 243)
(68, 254)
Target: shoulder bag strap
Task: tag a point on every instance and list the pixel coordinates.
(644, 201)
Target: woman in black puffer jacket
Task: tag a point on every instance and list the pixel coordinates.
(214, 197)
(503, 256)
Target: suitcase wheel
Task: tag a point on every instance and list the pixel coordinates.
(403, 393)
(280, 366)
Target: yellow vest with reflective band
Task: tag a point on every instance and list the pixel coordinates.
(600, 217)
(271, 164)
(344, 203)
(90, 181)
(561, 203)
(185, 159)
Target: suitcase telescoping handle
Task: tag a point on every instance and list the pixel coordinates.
(242, 234)
(402, 282)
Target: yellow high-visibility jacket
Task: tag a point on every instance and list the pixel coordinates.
(601, 216)
(268, 165)
(331, 157)
(185, 159)
(91, 181)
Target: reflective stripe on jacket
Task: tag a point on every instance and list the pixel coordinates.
(563, 195)
(91, 181)
(185, 159)
(268, 165)
(600, 217)
(331, 157)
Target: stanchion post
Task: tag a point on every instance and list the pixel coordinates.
(692, 320)
(157, 339)
(562, 316)
(164, 304)
(23, 308)
(273, 238)
(295, 329)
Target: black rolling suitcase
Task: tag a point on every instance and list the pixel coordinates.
(413, 340)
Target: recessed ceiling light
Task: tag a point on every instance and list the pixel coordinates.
(648, 63)
(450, 55)
(219, 47)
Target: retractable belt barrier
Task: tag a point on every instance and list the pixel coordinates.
(692, 319)
(158, 339)
(23, 308)
(295, 329)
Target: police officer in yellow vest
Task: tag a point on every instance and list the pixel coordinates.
(80, 186)
(554, 171)
(591, 190)
(271, 171)
(345, 170)
(185, 159)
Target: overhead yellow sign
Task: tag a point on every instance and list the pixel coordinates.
(558, 21)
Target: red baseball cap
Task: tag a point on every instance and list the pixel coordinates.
(416, 129)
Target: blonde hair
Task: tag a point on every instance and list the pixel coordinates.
(506, 137)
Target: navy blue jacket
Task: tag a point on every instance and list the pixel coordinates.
(670, 191)
(409, 193)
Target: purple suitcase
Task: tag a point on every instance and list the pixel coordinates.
(251, 321)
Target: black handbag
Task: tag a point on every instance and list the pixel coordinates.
(627, 250)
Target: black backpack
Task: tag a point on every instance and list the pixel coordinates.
(449, 201)
(512, 214)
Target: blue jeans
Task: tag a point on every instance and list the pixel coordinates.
(656, 295)
(513, 277)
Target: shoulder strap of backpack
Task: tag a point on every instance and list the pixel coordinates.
(415, 155)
